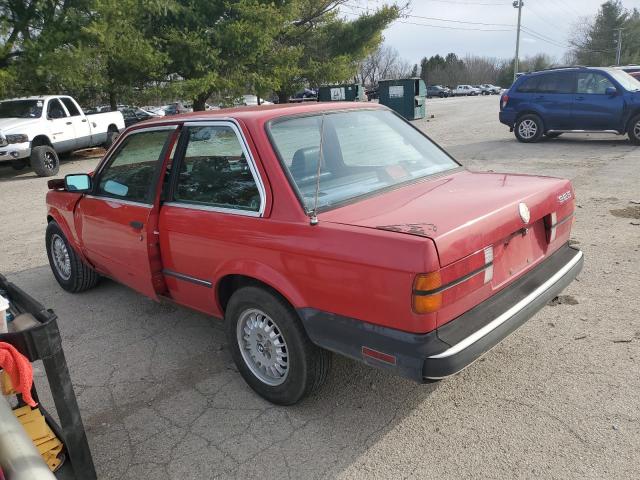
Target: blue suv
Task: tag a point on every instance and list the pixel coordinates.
(576, 100)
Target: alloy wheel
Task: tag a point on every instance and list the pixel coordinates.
(60, 257)
(527, 129)
(263, 347)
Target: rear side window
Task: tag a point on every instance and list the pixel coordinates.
(215, 172)
(556, 82)
(593, 83)
(71, 107)
(130, 171)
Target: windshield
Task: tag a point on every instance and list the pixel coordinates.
(21, 109)
(363, 151)
(627, 81)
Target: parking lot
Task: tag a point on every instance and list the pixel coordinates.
(560, 398)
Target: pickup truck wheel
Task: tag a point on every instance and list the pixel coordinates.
(19, 164)
(634, 130)
(68, 268)
(112, 135)
(529, 128)
(45, 161)
(270, 347)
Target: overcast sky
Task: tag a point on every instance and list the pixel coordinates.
(548, 25)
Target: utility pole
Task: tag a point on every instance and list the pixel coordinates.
(619, 45)
(517, 4)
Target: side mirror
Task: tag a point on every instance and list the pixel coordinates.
(611, 91)
(78, 182)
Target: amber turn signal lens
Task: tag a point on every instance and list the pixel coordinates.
(427, 303)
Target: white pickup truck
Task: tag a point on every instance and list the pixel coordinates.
(35, 130)
(466, 90)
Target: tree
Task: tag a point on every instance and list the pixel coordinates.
(384, 62)
(594, 42)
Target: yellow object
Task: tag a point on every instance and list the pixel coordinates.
(426, 283)
(5, 384)
(41, 435)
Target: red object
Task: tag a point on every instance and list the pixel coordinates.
(360, 261)
(19, 370)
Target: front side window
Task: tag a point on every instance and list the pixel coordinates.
(215, 172)
(130, 171)
(363, 151)
(593, 83)
(55, 110)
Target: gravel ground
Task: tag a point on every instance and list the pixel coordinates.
(560, 398)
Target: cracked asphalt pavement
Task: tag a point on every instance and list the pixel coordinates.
(560, 398)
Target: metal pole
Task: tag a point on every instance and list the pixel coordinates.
(619, 46)
(19, 458)
(517, 4)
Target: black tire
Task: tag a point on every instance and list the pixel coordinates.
(45, 161)
(441, 95)
(634, 130)
(80, 276)
(112, 136)
(307, 365)
(552, 134)
(529, 128)
(20, 164)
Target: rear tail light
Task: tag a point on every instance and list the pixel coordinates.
(432, 290)
(503, 101)
(426, 295)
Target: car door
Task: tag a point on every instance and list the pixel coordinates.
(60, 127)
(553, 95)
(593, 108)
(118, 220)
(81, 128)
(216, 199)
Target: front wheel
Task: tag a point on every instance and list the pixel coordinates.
(45, 161)
(634, 130)
(270, 347)
(68, 268)
(529, 128)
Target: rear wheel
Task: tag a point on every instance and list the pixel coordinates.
(529, 128)
(634, 130)
(68, 268)
(45, 161)
(112, 135)
(270, 347)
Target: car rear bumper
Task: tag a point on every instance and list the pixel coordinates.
(456, 344)
(507, 117)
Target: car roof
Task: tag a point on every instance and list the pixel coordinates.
(264, 112)
(566, 69)
(36, 97)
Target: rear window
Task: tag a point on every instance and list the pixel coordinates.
(363, 151)
(556, 82)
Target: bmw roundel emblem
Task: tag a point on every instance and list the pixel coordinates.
(525, 214)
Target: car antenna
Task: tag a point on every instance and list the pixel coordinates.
(314, 213)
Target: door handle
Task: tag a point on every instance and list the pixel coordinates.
(136, 225)
(69, 123)
(84, 120)
(580, 98)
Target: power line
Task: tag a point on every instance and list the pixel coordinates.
(444, 19)
(454, 28)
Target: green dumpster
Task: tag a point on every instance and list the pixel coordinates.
(406, 96)
(350, 92)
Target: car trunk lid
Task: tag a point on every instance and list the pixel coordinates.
(464, 212)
